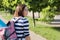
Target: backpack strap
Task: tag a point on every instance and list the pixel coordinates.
(10, 35)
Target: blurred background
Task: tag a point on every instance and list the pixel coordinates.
(43, 16)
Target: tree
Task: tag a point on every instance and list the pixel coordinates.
(10, 5)
(1, 6)
(33, 5)
(36, 5)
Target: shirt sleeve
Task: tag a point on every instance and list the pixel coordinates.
(26, 27)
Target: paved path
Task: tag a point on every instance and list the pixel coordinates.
(32, 34)
(36, 36)
(56, 21)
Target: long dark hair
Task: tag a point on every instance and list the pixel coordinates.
(19, 11)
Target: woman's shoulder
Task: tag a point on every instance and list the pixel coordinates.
(14, 19)
(19, 19)
(23, 20)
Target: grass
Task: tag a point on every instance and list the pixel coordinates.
(50, 33)
(6, 15)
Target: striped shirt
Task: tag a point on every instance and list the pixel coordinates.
(21, 26)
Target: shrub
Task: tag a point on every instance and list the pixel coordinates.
(46, 15)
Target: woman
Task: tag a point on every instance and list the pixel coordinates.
(21, 23)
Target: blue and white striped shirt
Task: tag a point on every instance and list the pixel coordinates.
(21, 27)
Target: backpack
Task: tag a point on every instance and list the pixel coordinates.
(2, 33)
(10, 32)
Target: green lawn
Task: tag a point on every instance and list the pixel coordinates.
(50, 33)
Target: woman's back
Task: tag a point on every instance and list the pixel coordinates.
(21, 26)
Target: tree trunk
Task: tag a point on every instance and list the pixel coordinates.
(33, 18)
(38, 15)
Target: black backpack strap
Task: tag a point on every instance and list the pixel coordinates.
(10, 35)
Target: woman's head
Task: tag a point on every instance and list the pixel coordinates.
(21, 10)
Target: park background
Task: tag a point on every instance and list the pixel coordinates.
(43, 16)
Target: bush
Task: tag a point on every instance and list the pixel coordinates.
(46, 15)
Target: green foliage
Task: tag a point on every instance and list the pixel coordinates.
(36, 5)
(46, 15)
(1, 6)
(0, 3)
(47, 8)
(5, 3)
(10, 5)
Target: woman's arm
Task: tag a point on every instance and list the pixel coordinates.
(28, 38)
(26, 29)
(27, 34)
